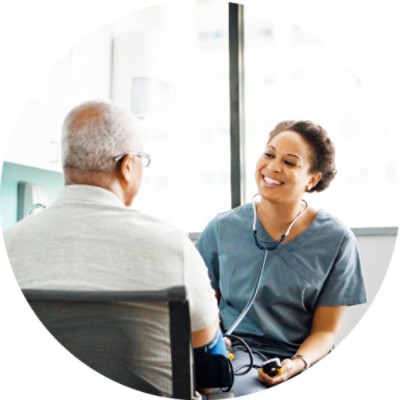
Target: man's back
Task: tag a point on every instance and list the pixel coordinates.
(88, 239)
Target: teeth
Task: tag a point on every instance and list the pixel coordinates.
(271, 181)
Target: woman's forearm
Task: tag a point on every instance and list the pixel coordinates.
(316, 346)
(319, 343)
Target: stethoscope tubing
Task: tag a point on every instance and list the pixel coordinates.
(251, 300)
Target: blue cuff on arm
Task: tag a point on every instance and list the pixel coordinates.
(212, 365)
(215, 346)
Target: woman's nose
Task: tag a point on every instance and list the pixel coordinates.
(273, 164)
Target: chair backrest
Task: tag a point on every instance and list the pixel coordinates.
(124, 334)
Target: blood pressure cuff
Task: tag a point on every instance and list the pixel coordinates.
(212, 365)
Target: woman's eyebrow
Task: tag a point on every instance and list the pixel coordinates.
(294, 155)
(289, 154)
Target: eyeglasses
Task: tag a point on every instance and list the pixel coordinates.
(145, 157)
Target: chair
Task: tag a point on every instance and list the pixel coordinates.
(102, 329)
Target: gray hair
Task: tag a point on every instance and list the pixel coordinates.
(94, 133)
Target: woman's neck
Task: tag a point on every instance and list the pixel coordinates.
(276, 218)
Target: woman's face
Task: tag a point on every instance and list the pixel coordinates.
(282, 172)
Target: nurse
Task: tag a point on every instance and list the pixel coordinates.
(308, 260)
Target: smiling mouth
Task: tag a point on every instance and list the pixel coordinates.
(270, 181)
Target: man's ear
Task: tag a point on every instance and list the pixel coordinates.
(126, 168)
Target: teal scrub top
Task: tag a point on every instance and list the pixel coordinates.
(319, 267)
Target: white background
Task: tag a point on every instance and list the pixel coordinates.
(34, 34)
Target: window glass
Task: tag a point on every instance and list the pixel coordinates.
(289, 74)
(171, 67)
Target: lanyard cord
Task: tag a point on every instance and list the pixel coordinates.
(250, 302)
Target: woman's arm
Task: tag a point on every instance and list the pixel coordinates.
(324, 329)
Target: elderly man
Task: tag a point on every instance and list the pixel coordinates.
(90, 239)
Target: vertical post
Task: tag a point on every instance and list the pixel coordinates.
(236, 85)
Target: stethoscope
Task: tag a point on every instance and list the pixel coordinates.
(272, 245)
(269, 246)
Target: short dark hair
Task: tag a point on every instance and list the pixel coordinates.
(323, 149)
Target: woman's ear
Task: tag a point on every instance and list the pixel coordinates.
(314, 179)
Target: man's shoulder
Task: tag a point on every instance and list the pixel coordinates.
(152, 222)
(21, 227)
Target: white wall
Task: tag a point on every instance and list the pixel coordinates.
(376, 252)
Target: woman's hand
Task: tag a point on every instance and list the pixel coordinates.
(289, 368)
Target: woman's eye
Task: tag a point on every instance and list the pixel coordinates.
(290, 163)
(268, 155)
